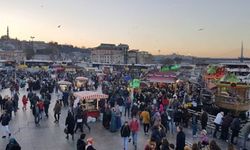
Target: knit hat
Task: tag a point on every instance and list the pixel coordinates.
(90, 140)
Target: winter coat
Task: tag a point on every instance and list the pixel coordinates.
(81, 144)
(180, 141)
(204, 118)
(57, 108)
(13, 145)
(235, 125)
(70, 123)
(145, 117)
(134, 126)
(246, 129)
(5, 119)
(226, 121)
(125, 131)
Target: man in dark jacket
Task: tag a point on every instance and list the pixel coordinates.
(235, 127)
(125, 133)
(204, 119)
(81, 143)
(180, 139)
(5, 119)
(13, 145)
(226, 122)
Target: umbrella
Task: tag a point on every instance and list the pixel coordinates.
(64, 83)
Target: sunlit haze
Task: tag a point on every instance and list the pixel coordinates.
(190, 27)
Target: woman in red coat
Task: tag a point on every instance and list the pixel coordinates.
(25, 101)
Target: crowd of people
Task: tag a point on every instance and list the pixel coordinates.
(161, 109)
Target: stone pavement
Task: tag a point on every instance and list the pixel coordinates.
(50, 136)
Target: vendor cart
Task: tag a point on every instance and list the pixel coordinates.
(64, 85)
(81, 81)
(90, 99)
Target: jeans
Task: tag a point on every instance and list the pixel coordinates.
(194, 127)
(171, 127)
(125, 143)
(6, 130)
(37, 119)
(57, 116)
(146, 127)
(217, 127)
(134, 137)
(127, 110)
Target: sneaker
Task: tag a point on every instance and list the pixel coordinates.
(3, 137)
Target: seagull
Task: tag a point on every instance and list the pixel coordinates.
(200, 29)
(59, 26)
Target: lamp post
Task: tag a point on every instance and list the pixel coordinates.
(32, 37)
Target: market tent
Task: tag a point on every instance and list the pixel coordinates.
(64, 82)
(161, 79)
(89, 95)
(81, 78)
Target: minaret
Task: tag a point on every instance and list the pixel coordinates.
(242, 55)
(8, 36)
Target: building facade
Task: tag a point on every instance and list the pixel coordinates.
(110, 53)
(133, 56)
(13, 55)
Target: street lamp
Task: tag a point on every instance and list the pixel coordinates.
(32, 37)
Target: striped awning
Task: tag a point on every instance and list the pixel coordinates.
(81, 78)
(89, 95)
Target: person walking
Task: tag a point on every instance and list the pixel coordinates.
(5, 119)
(204, 120)
(79, 121)
(40, 105)
(127, 106)
(70, 125)
(217, 122)
(57, 111)
(24, 101)
(226, 122)
(235, 127)
(194, 124)
(134, 127)
(180, 139)
(245, 132)
(145, 120)
(13, 145)
(85, 118)
(35, 111)
(46, 106)
(125, 134)
(81, 144)
(9, 106)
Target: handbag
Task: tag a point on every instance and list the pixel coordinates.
(66, 130)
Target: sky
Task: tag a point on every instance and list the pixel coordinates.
(213, 28)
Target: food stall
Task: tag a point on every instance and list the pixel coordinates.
(63, 85)
(81, 81)
(90, 99)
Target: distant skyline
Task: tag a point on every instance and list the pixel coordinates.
(207, 28)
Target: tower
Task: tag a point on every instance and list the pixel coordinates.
(242, 55)
(8, 36)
